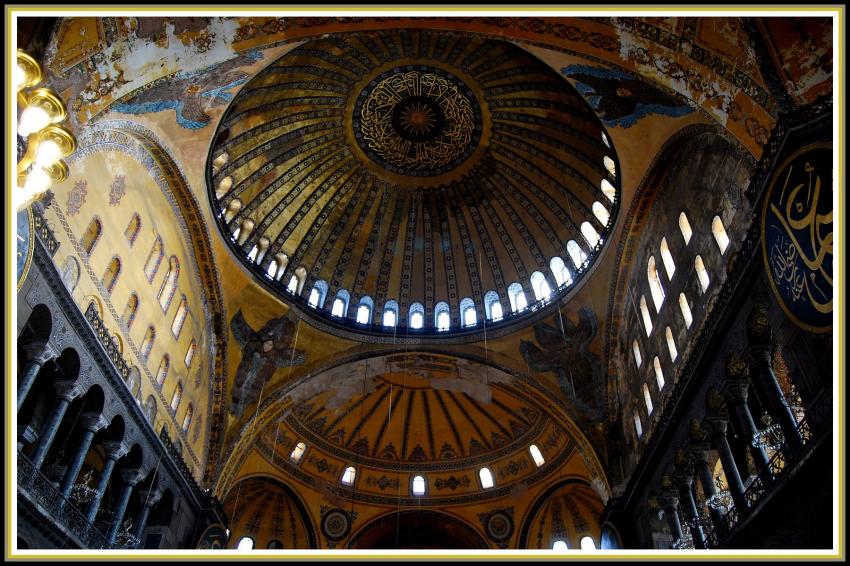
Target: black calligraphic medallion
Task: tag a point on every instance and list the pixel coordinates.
(797, 236)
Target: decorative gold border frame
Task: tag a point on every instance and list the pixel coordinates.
(28, 261)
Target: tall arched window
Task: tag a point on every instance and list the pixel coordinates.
(638, 427)
(536, 455)
(132, 230)
(91, 235)
(609, 165)
(517, 297)
(667, 259)
(129, 314)
(590, 234)
(292, 286)
(340, 304)
(150, 409)
(147, 342)
(644, 310)
(576, 253)
(492, 306)
(486, 478)
(671, 344)
(70, 273)
(190, 354)
(277, 266)
(560, 271)
(659, 375)
(175, 399)
(702, 274)
(154, 259)
(252, 255)
(348, 476)
(110, 276)
(417, 486)
(601, 213)
(654, 283)
(442, 316)
(685, 227)
(317, 294)
(468, 315)
(416, 316)
(180, 317)
(540, 286)
(636, 351)
(560, 545)
(245, 543)
(364, 310)
(169, 284)
(297, 452)
(162, 372)
(719, 234)
(608, 189)
(686, 310)
(301, 277)
(187, 420)
(587, 544)
(647, 398)
(390, 316)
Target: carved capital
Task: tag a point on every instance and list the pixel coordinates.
(669, 499)
(759, 333)
(40, 352)
(716, 424)
(93, 421)
(115, 449)
(696, 433)
(736, 367)
(132, 476)
(700, 452)
(684, 477)
(714, 401)
(150, 496)
(66, 389)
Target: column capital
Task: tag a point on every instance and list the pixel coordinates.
(736, 367)
(66, 388)
(151, 495)
(759, 332)
(696, 432)
(93, 421)
(115, 449)
(669, 499)
(714, 401)
(40, 352)
(736, 390)
(716, 424)
(132, 476)
(700, 452)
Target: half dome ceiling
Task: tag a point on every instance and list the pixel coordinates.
(413, 173)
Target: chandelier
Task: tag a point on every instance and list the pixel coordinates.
(82, 492)
(770, 436)
(125, 538)
(41, 141)
(686, 542)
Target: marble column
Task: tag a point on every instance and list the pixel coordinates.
(669, 499)
(760, 349)
(131, 477)
(699, 450)
(717, 426)
(737, 389)
(38, 354)
(65, 391)
(114, 450)
(683, 479)
(149, 498)
(91, 422)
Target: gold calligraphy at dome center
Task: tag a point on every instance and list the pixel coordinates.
(378, 130)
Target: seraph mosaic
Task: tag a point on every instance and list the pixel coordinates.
(620, 98)
(191, 94)
(564, 351)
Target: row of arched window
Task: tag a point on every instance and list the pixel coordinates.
(658, 296)
(493, 311)
(418, 483)
(586, 543)
(150, 408)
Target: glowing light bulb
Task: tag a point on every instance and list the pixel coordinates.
(19, 77)
(48, 153)
(37, 181)
(33, 119)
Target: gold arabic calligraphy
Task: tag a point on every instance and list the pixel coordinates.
(377, 127)
(804, 230)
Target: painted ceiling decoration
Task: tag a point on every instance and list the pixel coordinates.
(412, 167)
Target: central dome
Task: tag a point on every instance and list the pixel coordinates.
(415, 181)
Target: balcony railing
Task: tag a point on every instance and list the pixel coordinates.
(778, 467)
(108, 343)
(39, 490)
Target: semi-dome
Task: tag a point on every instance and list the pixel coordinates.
(413, 181)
